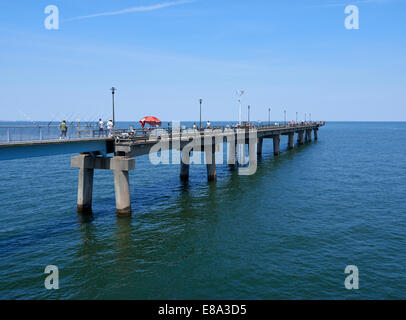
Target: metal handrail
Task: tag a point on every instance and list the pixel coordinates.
(145, 134)
(153, 134)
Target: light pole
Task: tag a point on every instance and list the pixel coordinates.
(239, 111)
(239, 94)
(249, 114)
(284, 116)
(201, 101)
(296, 116)
(310, 117)
(305, 117)
(269, 116)
(113, 90)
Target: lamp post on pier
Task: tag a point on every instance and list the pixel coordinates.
(269, 116)
(240, 93)
(284, 116)
(113, 90)
(201, 101)
(249, 114)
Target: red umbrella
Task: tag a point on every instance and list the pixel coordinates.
(152, 121)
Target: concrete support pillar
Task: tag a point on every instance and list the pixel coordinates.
(231, 154)
(309, 135)
(252, 155)
(184, 168)
(259, 146)
(276, 144)
(241, 154)
(85, 190)
(315, 133)
(300, 137)
(85, 184)
(210, 153)
(122, 190)
(291, 140)
(119, 165)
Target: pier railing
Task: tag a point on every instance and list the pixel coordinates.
(151, 134)
(22, 133)
(9, 134)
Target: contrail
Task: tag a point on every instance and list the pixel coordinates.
(129, 10)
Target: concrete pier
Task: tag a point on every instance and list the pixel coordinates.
(300, 137)
(241, 154)
(120, 166)
(231, 154)
(128, 145)
(210, 154)
(184, 166)
(291, 140)
(309, 135)
(126, 149)
(315, 133)
(276, 144)
(85, 186)
(122, 191)
(259, 146)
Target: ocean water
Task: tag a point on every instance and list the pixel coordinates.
(287, 232)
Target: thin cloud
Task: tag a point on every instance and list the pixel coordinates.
(130, 10)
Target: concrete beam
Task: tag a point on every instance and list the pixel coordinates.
(103, 163)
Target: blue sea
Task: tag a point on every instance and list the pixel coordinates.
(287, 232)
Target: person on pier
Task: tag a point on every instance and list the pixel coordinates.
(109, 127)
(101, 125)
(64, 128)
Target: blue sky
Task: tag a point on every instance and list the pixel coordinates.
(293, 55)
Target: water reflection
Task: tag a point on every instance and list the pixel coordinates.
(85, 218)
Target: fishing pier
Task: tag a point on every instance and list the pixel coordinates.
(118, 152)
